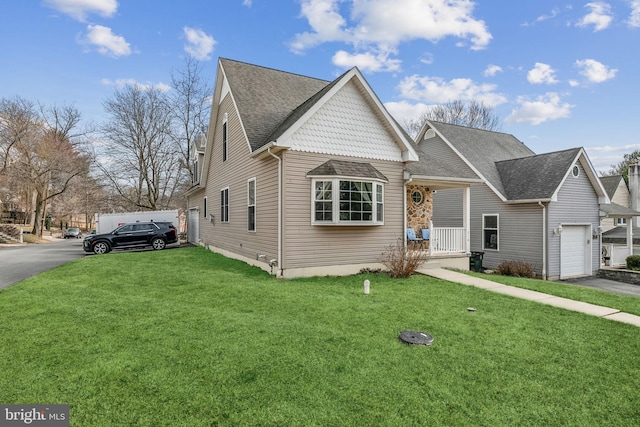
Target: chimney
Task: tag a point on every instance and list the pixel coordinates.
(634, 189)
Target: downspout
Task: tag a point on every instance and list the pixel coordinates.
(544, 241)
(279, 260)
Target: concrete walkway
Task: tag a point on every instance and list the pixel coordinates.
(568, 304)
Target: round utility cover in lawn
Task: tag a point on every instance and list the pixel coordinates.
(416, 337)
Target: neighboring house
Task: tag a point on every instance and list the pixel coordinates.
(541, 209)
(621, 233)
(302, 176)
(619, 194)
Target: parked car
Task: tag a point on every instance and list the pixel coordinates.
(139, 234)
(72, 233)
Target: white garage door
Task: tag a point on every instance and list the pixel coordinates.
(193, 232)
(575, 251)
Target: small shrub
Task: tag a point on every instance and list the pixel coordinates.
(515, 269)
(633, 262)
(401, 261)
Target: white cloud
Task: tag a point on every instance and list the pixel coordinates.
(545, 107)
(594, 71)
(374, 26)
(634, 18)
(541, 73)
(247, 3)
(79, 9)
(105, 41)
(554, 12)
(403, 110)
(199, 44)
(438, 91)
(600, 16)
(492, 70)
(366, 61)
(120, 83)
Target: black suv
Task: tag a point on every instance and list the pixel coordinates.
(138, 234)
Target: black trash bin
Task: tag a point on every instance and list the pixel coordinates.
(475, 261)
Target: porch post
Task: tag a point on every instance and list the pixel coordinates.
(466, 217)
(630, 236)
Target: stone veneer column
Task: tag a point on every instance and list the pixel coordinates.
(419, 214)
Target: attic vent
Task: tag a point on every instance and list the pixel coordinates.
(430, 134)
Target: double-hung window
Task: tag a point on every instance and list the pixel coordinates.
(348, 202)
(204, 207)
(224, 205)
(224, 139)
(251, 204)
(490, 224)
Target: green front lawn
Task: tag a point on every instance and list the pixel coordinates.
(185, 337)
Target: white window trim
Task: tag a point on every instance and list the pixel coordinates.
(497, 232)
(222, 216)
(335, 201)
(255, 203)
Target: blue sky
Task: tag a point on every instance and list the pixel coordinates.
(560, 74)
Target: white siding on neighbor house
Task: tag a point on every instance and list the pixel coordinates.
(622, 197)
(577, 204)
(519, 232)
(233, 173)
(307, 245)
(347, 126)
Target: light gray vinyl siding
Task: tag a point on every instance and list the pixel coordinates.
(234, 173)
(307, 245)
(447, 208)
(519, 232)
(577, 204)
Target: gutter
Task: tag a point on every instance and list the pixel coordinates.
(278, 261)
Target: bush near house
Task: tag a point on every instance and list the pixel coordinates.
(401, 261)
(633, 262)
(515, 269)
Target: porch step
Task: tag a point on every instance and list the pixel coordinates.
(431, 264)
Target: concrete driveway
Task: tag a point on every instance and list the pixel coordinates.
(18, 262)
(606, 285)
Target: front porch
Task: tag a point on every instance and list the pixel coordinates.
(445, 246)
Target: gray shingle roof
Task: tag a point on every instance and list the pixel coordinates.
(347, 168)
(438, 164)
(610, 184)
(266, 97)
(535, 177)
(484, 148)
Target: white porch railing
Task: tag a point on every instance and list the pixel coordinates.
(447, 240)
(617, 254)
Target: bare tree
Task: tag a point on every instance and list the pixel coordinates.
(190, 105)
(475, 114)
(140, 160)
(41, 152)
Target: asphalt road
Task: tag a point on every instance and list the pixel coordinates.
(23, 261)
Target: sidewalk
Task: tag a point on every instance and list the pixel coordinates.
(568, 304)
